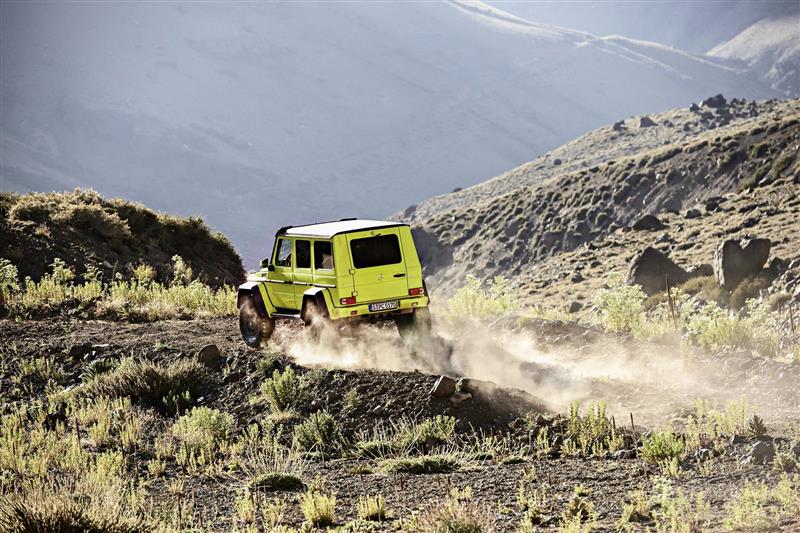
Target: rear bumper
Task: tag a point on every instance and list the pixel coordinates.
(407, 305)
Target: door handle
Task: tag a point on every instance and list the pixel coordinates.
(401, 275)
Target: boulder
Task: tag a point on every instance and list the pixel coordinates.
(209, 355)
(734, 260)
(693, 213)
(444, 387)
(575, 306)
(651, 268)
(476, 387)
(762, 453)
(694, 107)
(556, 162)
(619, 126)
(648, 223)
(715, 101)
(646, 122)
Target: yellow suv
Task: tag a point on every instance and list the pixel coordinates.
(342, 271)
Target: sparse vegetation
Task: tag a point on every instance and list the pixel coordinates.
(139, 299)
(318, 433)
(169, 387)
(478, 300)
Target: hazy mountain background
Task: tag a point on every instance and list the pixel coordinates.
(260, 115)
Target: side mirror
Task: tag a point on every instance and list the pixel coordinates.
(264, 263)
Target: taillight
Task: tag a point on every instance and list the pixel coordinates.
(416, 291)
(350, 300)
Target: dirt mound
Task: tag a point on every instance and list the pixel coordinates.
(113, 236)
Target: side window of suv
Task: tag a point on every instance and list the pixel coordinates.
(323, 255)
(283, 257)
(302, 250)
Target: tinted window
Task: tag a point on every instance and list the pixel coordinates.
(375, 251)
(283, 257)
(302, 250)
(323, 255)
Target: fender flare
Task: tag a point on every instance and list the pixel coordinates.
(318, 295)
(252, 290)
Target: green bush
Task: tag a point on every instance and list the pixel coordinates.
(150, 384)
(318, 433)
(620, 307)
(478, 301)
(662, 446)
(283, 391)
(203, 429)
(424, 464)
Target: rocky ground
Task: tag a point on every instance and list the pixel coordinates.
(537, 370)
(586, 190)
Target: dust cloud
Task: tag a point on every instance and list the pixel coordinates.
(654, 381)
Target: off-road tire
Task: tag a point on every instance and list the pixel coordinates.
(315, 318)
(415, 325)
(255, 329)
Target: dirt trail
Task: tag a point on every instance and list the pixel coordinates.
(556, 363)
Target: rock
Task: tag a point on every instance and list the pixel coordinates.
(704, 454)
(556, 162)
(210, 356)
(457, 189)
(693, 213)
(459, 397)
(577, 277)
(575, 306)
(762, 453)
(715, 101)
(651, 268)
(410, 210)
(619, 126)
(694, 107)
(648, 223)
(646, 122)
(76, 351)
(738, 439)
(444, 387)
(734, 260)
(796, 450)
(476, 386)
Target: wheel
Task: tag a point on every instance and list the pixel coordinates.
(255, 329)
(316, 319)
(415, 325)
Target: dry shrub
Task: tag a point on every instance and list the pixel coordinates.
(749, 288)
(63, 513)
(33, 207)
(94, 220)
(151, 384)
(706, 289)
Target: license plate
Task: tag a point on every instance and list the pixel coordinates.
(384, 306)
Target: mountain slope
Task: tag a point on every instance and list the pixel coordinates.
(256, 116)
(512, 223)
(772, 47)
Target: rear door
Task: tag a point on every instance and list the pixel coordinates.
(379, 271)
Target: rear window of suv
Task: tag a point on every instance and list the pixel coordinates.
(375, 251)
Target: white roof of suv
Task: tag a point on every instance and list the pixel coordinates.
(329, 229)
